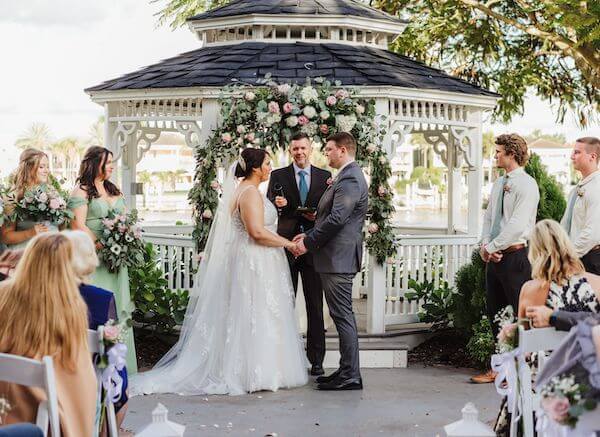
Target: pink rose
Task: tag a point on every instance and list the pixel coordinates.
(110, 224)
(324, 129)
(241, 129)
(111, 332)
(215, 185)
(273, 107)
(329, 181)
(373, 228)
(43, 197)
(288, 107)
(507, 333)
(556, 407)
(331, 100)
(303, 120)
(54, 203)
(207, 214)
(381, 191)
(122, 228)
(226, 137)
(342, 94)
(250, 136)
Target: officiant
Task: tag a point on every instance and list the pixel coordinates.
(296, 190)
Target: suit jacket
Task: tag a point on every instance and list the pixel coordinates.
(337, 237)
(290, 223)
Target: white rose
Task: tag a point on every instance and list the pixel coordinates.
(345, 123)
(207, 214)
(241, 129)
(283, 89)
(371, 148)
(291, 121)
(309, 94)
(360, 109)
(249, 96)
(382, 159)
(324, 115)
(309, 111)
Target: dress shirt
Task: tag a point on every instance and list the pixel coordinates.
(585, 223)
(521, 198)
(306, 170)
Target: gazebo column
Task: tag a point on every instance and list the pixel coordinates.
(454, 187)
(475, 177)
(128, 168)
(109, 133)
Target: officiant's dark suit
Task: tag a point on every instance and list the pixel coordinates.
(291, 223)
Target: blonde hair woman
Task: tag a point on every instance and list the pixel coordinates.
(33, 169)
(559, 279)
(44, 290)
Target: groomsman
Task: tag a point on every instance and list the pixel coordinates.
(509, 218)
(301, 185)
(582, 216)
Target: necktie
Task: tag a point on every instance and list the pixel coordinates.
(303, 187)
(569, 212)
(499, 210)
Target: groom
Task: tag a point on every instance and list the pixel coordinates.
(336, 244)
(301, 185)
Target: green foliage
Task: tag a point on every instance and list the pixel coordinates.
(552, 201)
(510, 47)
(437, 303)
(177, 11)
(470, 297)
(481, 345)
(156, 305)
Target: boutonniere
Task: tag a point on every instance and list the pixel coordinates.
(329, 181)
(580, 191)
(506, 188)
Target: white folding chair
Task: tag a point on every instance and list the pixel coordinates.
(32, 373)
(96, 346)
(542, 341)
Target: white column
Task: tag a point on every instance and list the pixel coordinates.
(128, 168)
(453, 187)
(475, 178)
(210, 118)
(375, 298)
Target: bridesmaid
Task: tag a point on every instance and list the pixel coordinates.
(91, 201)
(34, 169)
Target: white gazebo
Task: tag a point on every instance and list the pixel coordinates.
(341, 40)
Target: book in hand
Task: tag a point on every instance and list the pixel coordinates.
(305, 210)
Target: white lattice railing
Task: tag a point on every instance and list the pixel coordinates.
(435, 258)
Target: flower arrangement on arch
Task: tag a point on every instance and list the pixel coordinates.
(121, 241)
(268, 116)
(564, 399)
(43, 203)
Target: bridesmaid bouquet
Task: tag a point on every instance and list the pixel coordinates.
(43, 203)
(122, 245)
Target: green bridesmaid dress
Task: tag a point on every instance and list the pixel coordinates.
(118, 283)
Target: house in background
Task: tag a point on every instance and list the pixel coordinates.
(556, 157)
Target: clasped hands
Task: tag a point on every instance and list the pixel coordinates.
(296, 246)
(486, 256)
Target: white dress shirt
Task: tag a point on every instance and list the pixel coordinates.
(297, 171)
(585, 223)
(521, 198)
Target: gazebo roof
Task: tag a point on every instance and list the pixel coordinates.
(296, 7)
(217, 66)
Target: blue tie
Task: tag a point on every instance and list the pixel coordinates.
(303, 188)
(495, 231)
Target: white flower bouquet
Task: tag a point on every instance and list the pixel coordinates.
(43, 203)
(564, 399)
(4, 408)
(122, 245)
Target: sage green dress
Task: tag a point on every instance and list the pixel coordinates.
(118, 283)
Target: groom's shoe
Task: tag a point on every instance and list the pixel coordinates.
(329, 378)
(342, 384)
(317, 370)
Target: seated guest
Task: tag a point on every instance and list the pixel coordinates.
(21, 430)
(8, 262)
(100, 302)
(44, 290)
(560, 281)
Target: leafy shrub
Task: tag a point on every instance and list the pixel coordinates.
(156, 305)
(470, 297)
(552, 201)
(481, 345)
(438, 303)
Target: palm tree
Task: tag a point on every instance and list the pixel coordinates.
(37, 136)
(96, 133)
(145, 178)
(68, 151)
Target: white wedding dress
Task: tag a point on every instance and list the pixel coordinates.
(240, 334)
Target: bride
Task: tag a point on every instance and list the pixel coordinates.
(240, 333)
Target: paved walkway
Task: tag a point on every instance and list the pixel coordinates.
(417, 401)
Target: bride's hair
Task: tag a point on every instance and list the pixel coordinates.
(249, 159)
(551, 253)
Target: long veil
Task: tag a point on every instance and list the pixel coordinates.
(199, 350)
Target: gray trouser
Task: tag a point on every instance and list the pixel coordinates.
(338, 294)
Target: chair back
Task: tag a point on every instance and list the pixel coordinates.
(32, 373)
(96, 346)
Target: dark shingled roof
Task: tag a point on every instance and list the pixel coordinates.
(292, 62)
(277, 7)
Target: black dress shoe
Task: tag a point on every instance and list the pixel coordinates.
(342, 384)
(322, 379)
(317, 370)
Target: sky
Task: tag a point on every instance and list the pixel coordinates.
(51, 51)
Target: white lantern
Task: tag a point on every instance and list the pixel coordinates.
(161, 426)
(469, 425)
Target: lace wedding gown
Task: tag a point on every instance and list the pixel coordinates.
(241, 334)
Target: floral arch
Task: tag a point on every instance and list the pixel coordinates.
(268, 116)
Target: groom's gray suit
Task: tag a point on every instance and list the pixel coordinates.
(336, 242)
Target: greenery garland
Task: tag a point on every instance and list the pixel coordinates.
(267, 116)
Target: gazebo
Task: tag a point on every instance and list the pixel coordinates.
(340, 40)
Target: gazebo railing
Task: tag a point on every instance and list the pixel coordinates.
(432, 258)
